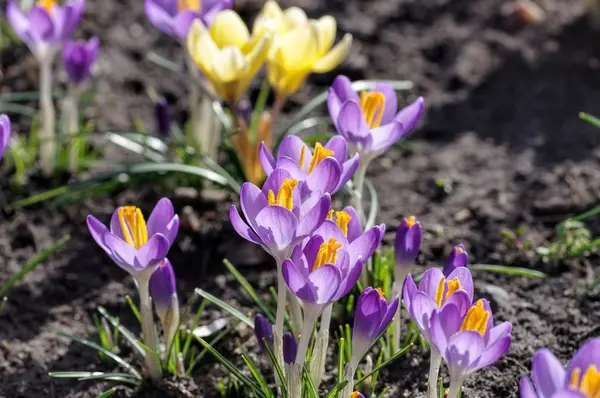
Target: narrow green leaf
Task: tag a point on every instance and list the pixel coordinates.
(257, 375)
(134, 308)
(250, 290)
(227, 307)
(106, 352)
(333, 393)
(230, 367)
(33, 264)
(190, 332)
(129, 336)
(202, 353)
(383, 365)
(108, 393)
(503, 269)
(383, 392)
(259, 107)
(308, 382)
(594, 121)
(276, 365)
(341, 343)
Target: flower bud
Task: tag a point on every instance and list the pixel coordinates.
(78, 58)
(457, 258)
(408, 242)
(290, 348)
(356, 394)
(162, 116)
(5, 130)
(164, 293)
(263, 330)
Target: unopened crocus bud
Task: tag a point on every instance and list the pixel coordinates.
(356, 394)
(290, 348)
(408, 241)
(458, 258)
(78, 58)
(372, 316)
(163, 117)
(264, 331)
(5, 130)
(164, 293)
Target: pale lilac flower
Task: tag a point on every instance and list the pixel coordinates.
(5, 132)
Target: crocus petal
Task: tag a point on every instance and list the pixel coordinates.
(325, 281)
(161, 219)
(183, 22)
(292, 167)
(461, 300)
(349, 167)
(463, 349)
(291, 147)
(325, 177)
(152, 253)
(275, 180)
(335, 56)
(386, 136)
(422, 307)
(497, 332)
(252, 201)
(41, 27)
(18, 20)
(391, 101)
(465, 278)
(121, 252)
(444, 324)
(314, 217)
(368, 317)
(351, 122)
(330, 230)
(241, 227)
(296, 281)
(340, 91)
(267, 161)
(389, 315)
(364, 246)
(587, 355)
(430, 282)
(97, 230)
(492, 353)
(547, 373)
(354, 226)
(5, 133)
(276, 227)
(526, 388)
(352, 274)
(410, 116)
(408, 292)
(338, 145)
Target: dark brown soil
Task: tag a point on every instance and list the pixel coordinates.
(501, 132)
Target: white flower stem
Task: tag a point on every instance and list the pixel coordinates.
(149, 330)
(47, 119)
(310, 317)
(455, 386)
(349, 371)
(75, 141)
(359, 186)
(280, 315)
(296, 312)
(319, 354)
(435, 361)
(399, 275)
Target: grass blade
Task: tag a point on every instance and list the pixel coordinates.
(256, 373)
(130, 337)
(503, 269)
(250, 290)
(223, 305)
(33, 264)
(106, 352)
(594, 121)
(108, 393)
(383, 365)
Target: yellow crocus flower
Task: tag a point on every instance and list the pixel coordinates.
(301, 46)
(226, 53)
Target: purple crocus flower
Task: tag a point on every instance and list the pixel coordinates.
(163, 290)
(78, 58)
(276, 218)
(581, 378)
(134, 245)
(47, 26)
(370, 121)
(5, 131)
(263, 330)
(162, 116)
(372, 316)
(326, 169)
(458, 258)
(436, 292)
(470, 342)
(290, 348)
(408, 242)
(175, 17)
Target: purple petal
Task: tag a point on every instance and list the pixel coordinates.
(325, 177)
(163, 220)
(276, 227)
(464, 348)
(325, 281)
(274, 182)
(292, 167)
(115, 225)
(296, 281)
(586, 356)
(311, 249)
(41, 27)
(461, 300)
(422, 308)
(314, 217)
(368, 316)
(121, 252)
(97, 230)
(492, 353)
(444, 324)
(354, 226)
(267, 161)
(159, 17)
(352, 273)
(66, 19)
(430, 282)
(547, 373)
(391, 101)
(408, 243)
(162, 285)
(252, 201)
(364, 246)
(387, 135)
(410, 115)
(349, 167)
(338, 145)
(291, 147)
(392, 308)
(526, 388)
(330, 230)
(5, 132)
(351, 122)
(18, 20)
(290, 348)
(409, 289)
(340, 91)
(152, 253)
(183, 22)
(465, 278)
(497, 332)
(241, 227)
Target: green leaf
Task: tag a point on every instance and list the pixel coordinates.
(257, 375)
(108, 393)
(276, 365)
(594, 121)
(190, 332)
(259, 107)
(383, 392)
(230, 367)
(227, 307)
(201, 355)
(134, 308)
(308, 382)
(503, 269)
(33, 264)
(106, 352)
(129, 336)
(333, 393)
(250, 290)
(383, 365)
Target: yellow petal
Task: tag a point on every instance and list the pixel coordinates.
(327, 27)
(297, 50)
(293, 17)
(257, 55)
(334, 57)
(230, 65)
(228, 29)
(268, 18)
(201, 47)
